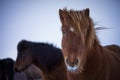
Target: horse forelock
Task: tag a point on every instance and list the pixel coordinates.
(80, 23)
(71, 18)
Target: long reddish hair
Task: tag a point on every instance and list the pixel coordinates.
(84, 57)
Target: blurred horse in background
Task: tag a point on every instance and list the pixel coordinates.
(46, 57)
(30, 73)
(6, 69)
(33, 72)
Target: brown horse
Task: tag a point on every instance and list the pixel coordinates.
(46, 57)
(85, 58)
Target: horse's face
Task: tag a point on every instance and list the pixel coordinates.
(74, 36)
(24, 58)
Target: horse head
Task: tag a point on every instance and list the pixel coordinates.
(78, 37)
(24, 58)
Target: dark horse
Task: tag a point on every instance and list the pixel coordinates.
(84, 57)
(46, 57)
(6, 69)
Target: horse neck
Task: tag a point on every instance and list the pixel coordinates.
(47, 59)
(94, 62)
(74, 76)
(52, 72)
(36, 60)
(36, 57)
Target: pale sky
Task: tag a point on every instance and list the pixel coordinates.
(38, 20)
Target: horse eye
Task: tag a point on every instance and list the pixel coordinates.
(64, 32)
(22, 55)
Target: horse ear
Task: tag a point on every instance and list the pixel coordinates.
(61, 15)
(87, 12)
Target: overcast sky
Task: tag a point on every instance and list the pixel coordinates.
(38, 20)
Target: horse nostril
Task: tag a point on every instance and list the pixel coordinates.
(67, 61)
(76, 61)
(16, 69)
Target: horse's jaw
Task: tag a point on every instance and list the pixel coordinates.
(71, 68)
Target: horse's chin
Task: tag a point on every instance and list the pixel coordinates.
(20, 69)
(72, 69)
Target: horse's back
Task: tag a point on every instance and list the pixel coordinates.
(114, 48)
(113, 61)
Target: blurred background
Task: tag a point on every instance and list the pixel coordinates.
(38, 20)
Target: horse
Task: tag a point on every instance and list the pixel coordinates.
(31, 73)
(21, 76)
(84, 56)
(46, 57)
(6, 69)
